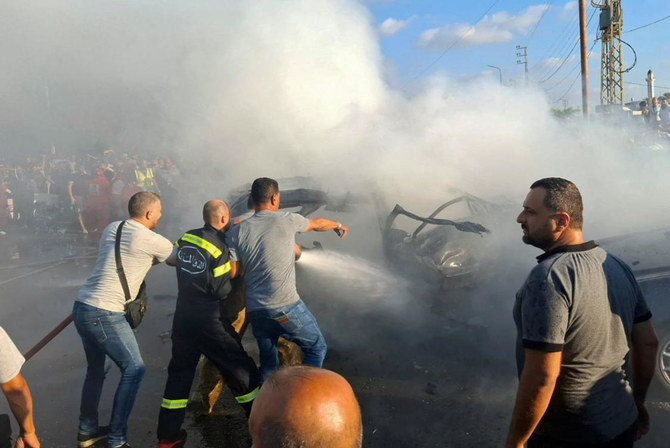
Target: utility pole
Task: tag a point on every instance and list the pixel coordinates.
(611, 62)
(585, 62)
(523, 55)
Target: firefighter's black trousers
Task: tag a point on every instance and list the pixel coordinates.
(198, 328)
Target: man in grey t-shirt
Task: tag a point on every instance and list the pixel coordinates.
(579, 315)
(264, 245)
(99, 317)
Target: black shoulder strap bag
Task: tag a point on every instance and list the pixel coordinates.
(135, 308)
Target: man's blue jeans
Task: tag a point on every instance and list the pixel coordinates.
(106, 333)
(293, 322)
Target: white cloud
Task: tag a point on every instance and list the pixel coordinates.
(568, 11)
(554, 63)
(391, 26)
(570, 6)
(550, 62)
(499, 27)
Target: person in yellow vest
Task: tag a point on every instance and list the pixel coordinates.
(210, 382)
(144, 178)
(199, 328)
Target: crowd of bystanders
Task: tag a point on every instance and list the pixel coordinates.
(86, 191)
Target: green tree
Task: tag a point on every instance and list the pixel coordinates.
(564, 114)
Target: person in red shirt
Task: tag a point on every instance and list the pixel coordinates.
(96, 202)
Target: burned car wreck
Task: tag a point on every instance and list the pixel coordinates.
(451, 252)
(462, 252)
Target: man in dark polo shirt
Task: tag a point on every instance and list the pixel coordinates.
(579, 316)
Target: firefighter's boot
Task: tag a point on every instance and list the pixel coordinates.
(177, 442)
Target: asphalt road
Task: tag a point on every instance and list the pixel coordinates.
(430, 370)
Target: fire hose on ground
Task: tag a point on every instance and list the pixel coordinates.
(61, 326)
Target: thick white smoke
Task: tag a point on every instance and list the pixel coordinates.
(235, 90)
(244, 89)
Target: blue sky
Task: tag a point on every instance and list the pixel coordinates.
(415, 33)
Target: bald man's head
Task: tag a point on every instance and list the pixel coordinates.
(306, 407)
(216, 213)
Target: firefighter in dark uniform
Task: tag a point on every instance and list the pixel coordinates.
(199, 327)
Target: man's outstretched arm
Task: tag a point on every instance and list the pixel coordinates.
(536, 386)
(324, 225)
(21, 403)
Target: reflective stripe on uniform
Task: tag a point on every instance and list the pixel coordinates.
(209, 247)
(220, 270)
(174, 404)
(248, 397)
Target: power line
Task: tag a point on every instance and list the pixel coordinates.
(556, 65)
(538, 21)
(569, 88)
(569, 54)
(563, 37)
(563, 44)
(648, 24)
(578, 74)
(562, 63)
(634, 54)
(570, 73)
(554, 45)
(644, 85)
(455, 42)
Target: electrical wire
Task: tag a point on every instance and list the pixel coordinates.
(555, 44)
(578, 74)
(575, 67)
(556, 49)
(569, 54)
(561, 64)
(644, 85)
(456, 41)
(550, 64)
(569, 88)
(563, 44)
(545, 76)
(648, 24)
(538, 22)
(634, 54)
